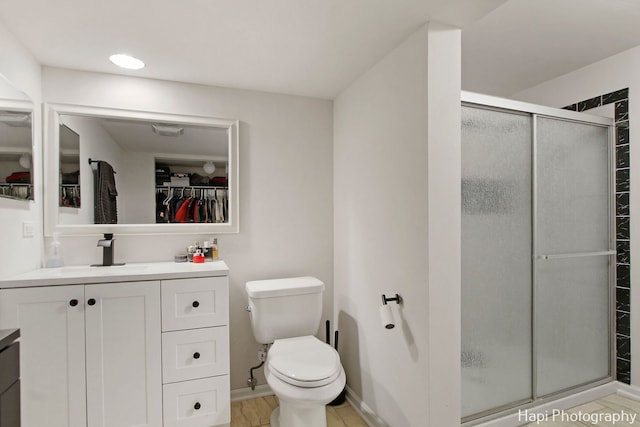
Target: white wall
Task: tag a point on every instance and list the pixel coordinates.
(18, 253)
(286, 223)
(614, 73)
(397, 230)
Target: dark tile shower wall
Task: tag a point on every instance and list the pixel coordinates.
(623, 262)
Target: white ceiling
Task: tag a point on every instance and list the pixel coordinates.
(317, 47)
(526, 42)
(305, 47)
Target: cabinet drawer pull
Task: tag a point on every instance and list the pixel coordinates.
(73, 302)
(196, 355)
(195, 304)
(91, 301)
(197, 406)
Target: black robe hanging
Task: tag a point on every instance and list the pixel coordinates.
(105, 208)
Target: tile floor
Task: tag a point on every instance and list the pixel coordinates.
(597, 413)
(256, 413)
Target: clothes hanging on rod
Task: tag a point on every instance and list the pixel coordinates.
(70, 196)
(191, 205)
(18, 191)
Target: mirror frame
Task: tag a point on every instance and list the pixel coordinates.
(25, 106)
(52, 114)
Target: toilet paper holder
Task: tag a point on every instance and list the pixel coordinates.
(386, 316)
(397, 299)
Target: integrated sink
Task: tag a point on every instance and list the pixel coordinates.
(95, 271)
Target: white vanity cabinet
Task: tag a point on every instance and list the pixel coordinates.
(90, 354)
(195, 352)
(110, 349)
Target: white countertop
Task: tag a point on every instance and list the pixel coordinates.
(84, 274)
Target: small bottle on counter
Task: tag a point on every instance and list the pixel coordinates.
(207, 248)
(214, 250)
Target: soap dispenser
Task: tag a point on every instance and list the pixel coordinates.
(215, 253)
(54, 252)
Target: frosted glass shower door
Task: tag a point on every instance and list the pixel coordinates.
(572, 254)
(496, 260)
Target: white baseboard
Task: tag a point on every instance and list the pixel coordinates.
(630, 391)
(365, 412)
(246, 393)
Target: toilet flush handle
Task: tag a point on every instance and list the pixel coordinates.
(248, 308)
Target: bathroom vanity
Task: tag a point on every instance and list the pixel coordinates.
(9, 378)
(139, 344)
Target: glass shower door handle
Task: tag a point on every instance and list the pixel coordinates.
(575, 255)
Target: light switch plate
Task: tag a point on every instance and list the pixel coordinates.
(27, 229)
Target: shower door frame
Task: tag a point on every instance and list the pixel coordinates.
(487, 102)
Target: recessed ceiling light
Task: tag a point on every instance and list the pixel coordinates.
(126, 61)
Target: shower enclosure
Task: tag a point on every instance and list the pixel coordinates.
(537, 258)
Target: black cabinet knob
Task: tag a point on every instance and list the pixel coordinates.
(195, 304)
(197, 406)
(73, 302)
(196, 355)
(91, 301)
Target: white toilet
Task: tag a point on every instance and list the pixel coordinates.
(304, 372)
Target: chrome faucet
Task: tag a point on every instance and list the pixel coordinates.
(107, 244)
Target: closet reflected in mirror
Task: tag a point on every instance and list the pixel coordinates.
(16, 166)
(191, 191)
(134, 172)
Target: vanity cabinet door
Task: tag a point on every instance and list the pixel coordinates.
(52, 363)
(124, 381)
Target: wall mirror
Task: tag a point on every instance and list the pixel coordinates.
(132, 172)
(16, 144)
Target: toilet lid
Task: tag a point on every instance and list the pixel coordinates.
(304, 361)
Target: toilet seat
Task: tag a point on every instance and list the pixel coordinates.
(304, 362)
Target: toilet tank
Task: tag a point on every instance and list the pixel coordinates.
(284, 308)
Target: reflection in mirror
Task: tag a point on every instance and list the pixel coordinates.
(69, 167)
(158, 173)
(16, 180)
(143, 171)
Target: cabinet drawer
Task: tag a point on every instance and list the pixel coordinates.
(194, 303)
(10, 406)
(197, 353)
(197, 403)
(9, 366)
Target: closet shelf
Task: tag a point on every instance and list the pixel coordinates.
(196, 187)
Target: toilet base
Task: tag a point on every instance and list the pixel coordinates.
(292, 415)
